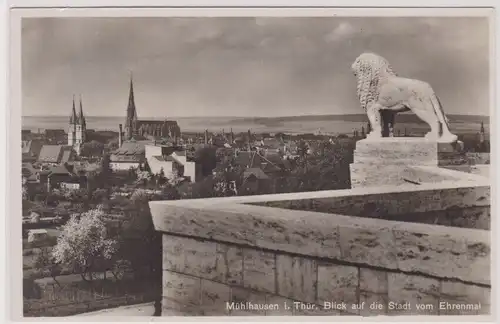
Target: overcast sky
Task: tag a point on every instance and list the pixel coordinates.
(243, 66)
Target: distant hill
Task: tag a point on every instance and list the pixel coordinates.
(401, 118)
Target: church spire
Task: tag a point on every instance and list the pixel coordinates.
(73, 119)
(131, 112)
(80, 116)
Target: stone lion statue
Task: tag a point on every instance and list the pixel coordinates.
(383, 94)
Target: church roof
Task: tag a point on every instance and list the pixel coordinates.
(54, 153)
(130, 151)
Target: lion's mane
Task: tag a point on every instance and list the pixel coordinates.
(370, 69)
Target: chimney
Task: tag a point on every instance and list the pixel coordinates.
(120, 135)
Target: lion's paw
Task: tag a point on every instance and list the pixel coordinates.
(448, 138)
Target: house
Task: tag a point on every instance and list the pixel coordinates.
(185, 165)
(178, 163)
(56, 154)
(37, 235)
(30, 173)
(252, 159)
(256, 181)
(62, 177)
(160, 150)
(132, 154)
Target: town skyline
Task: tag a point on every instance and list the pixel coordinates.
(243, 67)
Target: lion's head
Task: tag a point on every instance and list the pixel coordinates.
(369, 69)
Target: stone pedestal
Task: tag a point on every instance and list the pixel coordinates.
(389, 160)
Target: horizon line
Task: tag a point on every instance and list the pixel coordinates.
(229, 116)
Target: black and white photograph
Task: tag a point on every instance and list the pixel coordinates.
(258, 164)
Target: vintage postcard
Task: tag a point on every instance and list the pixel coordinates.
(251, 162)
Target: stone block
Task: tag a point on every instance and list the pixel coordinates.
(181, 289)
(363, 244)
(396, 150)
(297, 277)
(229, 266)
(259, 270)
(214, 298)
(284, 306)
(203, 258)
(190, 256)
(171, 307)
(373, 304)
(388, 161)
(241, 298)
(462, 299)
(438, 253)
(374, 281)
(173, 253)
(415, 292)
(338, 283)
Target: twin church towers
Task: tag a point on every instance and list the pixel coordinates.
(77, 128)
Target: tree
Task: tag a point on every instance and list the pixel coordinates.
(201, 189)
(112, 144)
(227, 176)
(83, 243)
(92, 149)
(143, 177)
(99, 195)
(46, 263)
(327, 168)
(105, 172)
(207, 158)
(25, 189)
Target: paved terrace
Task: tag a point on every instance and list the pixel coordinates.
(410, 244)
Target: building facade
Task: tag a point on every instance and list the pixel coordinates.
(135, 127)
(77, 128)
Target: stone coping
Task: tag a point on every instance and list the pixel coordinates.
(361, 191)
(432, 250)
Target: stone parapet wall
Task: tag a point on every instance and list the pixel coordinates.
(224, 250)
(214, 279)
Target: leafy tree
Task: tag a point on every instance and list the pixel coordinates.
(227, 176)
(100, 195)
(46, 263)
(143, 177)
(201, 189)
(92, 149)
(206, 157)
(105, 172)
(83, 243)
(112, 144)
(25, 189)
(327, 168)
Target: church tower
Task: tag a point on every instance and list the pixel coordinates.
(131, 113)
(80, 129)
(73, 121)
